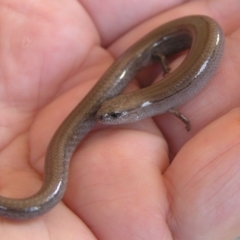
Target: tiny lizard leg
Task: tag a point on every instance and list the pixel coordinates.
(181, 117)
(163, 61)
(166, 69)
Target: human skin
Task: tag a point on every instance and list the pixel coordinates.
(121, 182)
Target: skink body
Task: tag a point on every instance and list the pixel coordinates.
(199, 33)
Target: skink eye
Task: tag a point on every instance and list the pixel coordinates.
(115, 115)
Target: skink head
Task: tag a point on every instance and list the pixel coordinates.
(114, 111)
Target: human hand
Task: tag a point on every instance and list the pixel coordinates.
(121, 185)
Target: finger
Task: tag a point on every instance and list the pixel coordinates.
(204, 183)
(123, 14)
(116, 183)
(41, 48)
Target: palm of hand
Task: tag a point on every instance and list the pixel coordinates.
(53, 52)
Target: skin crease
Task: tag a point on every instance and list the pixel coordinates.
(53, 51)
